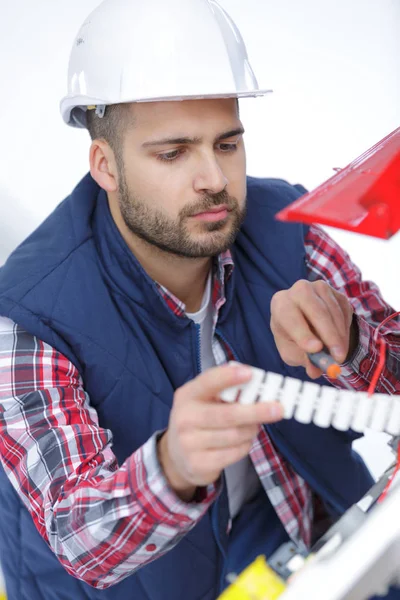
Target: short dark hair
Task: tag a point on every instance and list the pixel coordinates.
(117, 118)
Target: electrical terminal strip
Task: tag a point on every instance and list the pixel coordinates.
(324, 406)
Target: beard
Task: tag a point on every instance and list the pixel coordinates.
(173, 235)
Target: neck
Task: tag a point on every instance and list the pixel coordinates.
(185, 278)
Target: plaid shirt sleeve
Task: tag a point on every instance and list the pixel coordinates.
(103, 521)
(328, 261)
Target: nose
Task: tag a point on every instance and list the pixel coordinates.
(210, 177)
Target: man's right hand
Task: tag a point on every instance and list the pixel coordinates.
(205, 434)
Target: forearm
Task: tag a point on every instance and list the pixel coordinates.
(104, 522)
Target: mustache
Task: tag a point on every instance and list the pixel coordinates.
(210, 201)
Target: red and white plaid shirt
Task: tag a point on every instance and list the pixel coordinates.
(105, 520)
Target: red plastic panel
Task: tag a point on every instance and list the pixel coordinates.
(363, 197)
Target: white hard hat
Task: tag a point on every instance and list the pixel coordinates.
(148, 50)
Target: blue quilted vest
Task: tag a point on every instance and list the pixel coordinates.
(74, 284)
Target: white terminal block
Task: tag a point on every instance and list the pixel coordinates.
(309, 399)
(289, 394)
(324, 406)
(393, 424)
(271, 391)
(231, 394)
(250, 392)
(345, 408)
(363, 411)
(380, 412)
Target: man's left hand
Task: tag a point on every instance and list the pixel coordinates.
(309, 316)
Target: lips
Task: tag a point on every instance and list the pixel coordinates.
(218, 213)
(214, 210)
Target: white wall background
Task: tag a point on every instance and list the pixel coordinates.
(335, 70)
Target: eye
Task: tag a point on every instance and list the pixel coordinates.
(228, 147)
(170, 156)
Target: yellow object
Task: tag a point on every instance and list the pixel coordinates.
(257, 582)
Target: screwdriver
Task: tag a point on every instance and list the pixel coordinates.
(324, 361)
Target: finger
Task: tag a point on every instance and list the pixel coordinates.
(312, 371)
(289, 350)
(346, 307)
(205, 463)
(294, 319)
(338, 315)
(228, 456)
(294, 356)
(206, 439)
(339, 312)
(227, 416)
(319, 317)
(208, 385)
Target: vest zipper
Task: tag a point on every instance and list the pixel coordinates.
(198, 347)
(214, 509)
(214, 523)
(223, 338)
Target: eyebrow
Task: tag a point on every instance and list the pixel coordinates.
(195, 140)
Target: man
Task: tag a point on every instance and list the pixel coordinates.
(124, 475)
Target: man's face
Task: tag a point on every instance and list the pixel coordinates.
(182, 177)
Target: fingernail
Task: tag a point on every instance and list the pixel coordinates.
(243, 371)
(337, 352)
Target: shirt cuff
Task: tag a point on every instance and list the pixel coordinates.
(365, 357)
(159, 499)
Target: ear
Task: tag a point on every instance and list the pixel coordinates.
(103, 167)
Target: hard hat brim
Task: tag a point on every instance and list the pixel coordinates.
(73, 109)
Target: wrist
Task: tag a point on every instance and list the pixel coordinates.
(183, 489)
